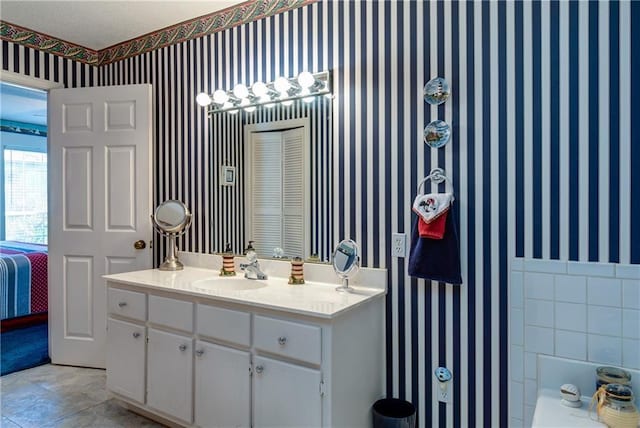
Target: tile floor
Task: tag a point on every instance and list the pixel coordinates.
(62, 396)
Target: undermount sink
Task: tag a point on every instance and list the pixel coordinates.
(228, 284)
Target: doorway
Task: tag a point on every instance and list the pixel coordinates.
(23, 227)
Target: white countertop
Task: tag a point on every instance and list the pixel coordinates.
(312, 298)
(550, 412)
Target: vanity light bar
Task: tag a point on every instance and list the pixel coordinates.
(283, 90)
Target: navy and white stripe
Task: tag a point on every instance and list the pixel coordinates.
(544, 155)
(33, 63)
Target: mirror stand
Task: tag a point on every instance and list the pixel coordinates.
(171, 262)
(345, 287)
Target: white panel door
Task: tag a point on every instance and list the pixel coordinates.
(223, 386)
(285, 395)
(99, 206)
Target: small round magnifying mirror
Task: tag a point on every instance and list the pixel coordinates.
(171, 219)
(346, 262)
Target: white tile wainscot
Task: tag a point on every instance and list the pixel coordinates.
(578, 310)
(242, 357)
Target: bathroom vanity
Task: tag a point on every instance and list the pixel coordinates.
(197, 349)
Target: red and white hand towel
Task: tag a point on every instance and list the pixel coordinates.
(432, 210)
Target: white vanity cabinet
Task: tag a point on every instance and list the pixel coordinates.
(126, 358)
(169, 374)
(210, 362)
(222, 386)
(286, 395)
(126, 339)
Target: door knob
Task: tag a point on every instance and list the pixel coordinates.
(259, 369)
(140, 244)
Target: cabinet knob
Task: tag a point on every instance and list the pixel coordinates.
(136, 335)
(282, 340)
(199, 352)
(122, 304)
(259, 369)
(182, 347)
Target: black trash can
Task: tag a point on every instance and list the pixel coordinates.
(393, 413)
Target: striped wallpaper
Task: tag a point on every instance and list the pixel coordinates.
(46, 66)
(544, 156)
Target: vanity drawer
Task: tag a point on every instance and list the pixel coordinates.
(172, 313)
(287, 338)
(224, 324)
(130, 304)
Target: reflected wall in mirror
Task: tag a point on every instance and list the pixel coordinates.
(289, 147)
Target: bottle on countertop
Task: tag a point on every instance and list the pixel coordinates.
(297, 271)
(228, 264)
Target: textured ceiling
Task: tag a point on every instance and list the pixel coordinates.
(97, 24)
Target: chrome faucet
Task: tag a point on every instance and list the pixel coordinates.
(252, 269)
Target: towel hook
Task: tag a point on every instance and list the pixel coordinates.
(436, 176)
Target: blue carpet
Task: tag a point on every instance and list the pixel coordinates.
(24, 348)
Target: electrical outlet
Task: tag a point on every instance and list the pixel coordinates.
(443, 392)
(399, 245)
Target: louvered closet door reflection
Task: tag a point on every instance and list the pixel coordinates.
(278, 191)
(266, 170)
(293, 181)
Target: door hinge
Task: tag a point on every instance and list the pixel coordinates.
(321, 388)
(250, 370)
(147, 339)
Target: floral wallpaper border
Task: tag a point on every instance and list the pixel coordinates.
(45, 43)
(198, 27)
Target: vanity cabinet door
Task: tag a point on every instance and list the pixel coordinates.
(285, 395)
(223, 386)
(169, 374)
(125, 358)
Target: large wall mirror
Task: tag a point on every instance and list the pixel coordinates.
(281, 194)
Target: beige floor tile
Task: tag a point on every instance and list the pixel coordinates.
(62, 396)
(6, 423)
(104, 415)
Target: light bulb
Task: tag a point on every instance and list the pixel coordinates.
(250, 109)
(306, 79)
(307, 100)
(244, 102)
(259, 89)
(226, 105)
(203, 99)
(220, 97)
(240, 91)
(287, 103)
(282, 85)
(270, 105)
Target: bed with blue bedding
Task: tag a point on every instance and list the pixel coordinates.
(23, 279)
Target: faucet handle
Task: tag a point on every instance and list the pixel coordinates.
(251, 256)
